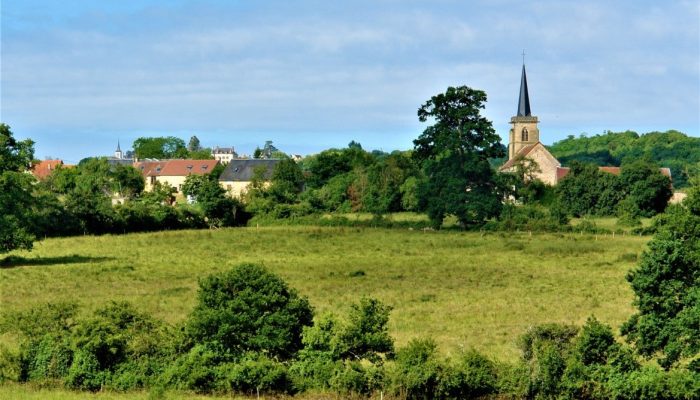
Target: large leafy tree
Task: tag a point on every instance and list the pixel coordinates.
(454, 153)
(667, 291)
(15, 191)
(646, 186)
(160, 147)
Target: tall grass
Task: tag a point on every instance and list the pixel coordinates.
(466, 290)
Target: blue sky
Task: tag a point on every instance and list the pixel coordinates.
(77, 75)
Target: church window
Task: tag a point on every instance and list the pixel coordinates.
(525, 135)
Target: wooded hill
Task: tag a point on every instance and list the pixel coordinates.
(671, 149)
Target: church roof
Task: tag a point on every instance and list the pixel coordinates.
(524, 99)
(523, 152)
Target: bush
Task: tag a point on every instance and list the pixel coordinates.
(545, 350)
(354, 377)
(255, 374)
(86, 372)
(9, 365)
(248, 309)
(194, 370)
(313, 370)
(416, 371)
(48, 357)
(472, 376)
(595, 342)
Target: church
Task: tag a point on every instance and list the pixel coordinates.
(524, 144)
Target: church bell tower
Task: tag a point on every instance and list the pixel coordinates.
(524, 131)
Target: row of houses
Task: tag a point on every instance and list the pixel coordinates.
(237, 174)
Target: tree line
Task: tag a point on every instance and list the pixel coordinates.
(671, 149)
(449, 172)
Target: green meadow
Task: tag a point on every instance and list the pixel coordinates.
(464, 289)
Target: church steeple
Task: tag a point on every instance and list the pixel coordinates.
(524, 100)
(118, 153)
(524, 131)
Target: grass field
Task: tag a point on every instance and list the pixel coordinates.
(463, 289)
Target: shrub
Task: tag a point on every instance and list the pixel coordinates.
(595, 342)
(248, 309)
(86, 372)
(9, 365)
(194, 370)
(255, 374)
(354, 377)
(313, 370)
(472, 376)
(48, 357)
(545, 350)
(416, 371)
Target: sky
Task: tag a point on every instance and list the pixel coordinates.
(76, 76)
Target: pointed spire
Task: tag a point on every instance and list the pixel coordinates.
(118, 149)
(524, 100)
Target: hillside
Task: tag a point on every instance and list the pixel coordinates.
(672, 149)
(466, 290)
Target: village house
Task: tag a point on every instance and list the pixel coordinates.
(524, 144)
(224, 154)
(172, 172)
(238, 174)
(44, 168)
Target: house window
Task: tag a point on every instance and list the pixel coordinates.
(525, 135)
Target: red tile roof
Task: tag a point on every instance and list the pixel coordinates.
(44, 168)
(176, 167)
(562, 172)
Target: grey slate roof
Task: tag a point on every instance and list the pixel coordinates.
(243, 170)
(524, 100)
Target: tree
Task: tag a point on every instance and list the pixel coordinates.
(159, 147)
(249, 309)
(15, 191)
(193, 144)
(646, 186)
(454, 153)
(218, 208)
(129, 180)
(666, 285)
(287, 181)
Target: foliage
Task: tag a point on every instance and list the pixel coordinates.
(218, 208)
(416, 371)
(255, 374)
(671, 149)
(545, 349)
(472, 376)
(667, 291)
(364, 336)
(641, 187)
(646, 187)
(249, 309)
(454, 153)
(287, 182)
(159, 147)
(530, 218)
(193, 144)
(15, 191)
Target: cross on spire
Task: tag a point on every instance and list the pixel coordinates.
(523, 56)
